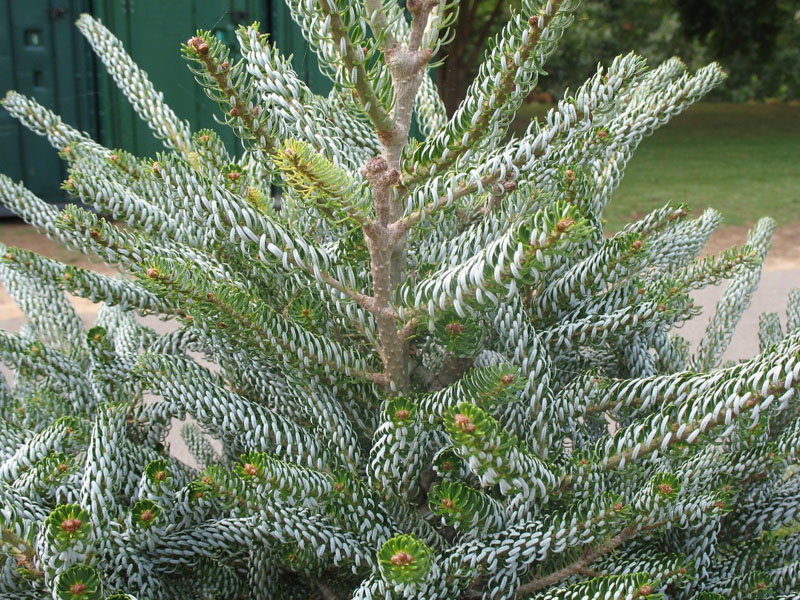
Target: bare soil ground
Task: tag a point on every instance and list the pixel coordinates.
(785, 254)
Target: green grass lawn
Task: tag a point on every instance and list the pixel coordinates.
(742, 159)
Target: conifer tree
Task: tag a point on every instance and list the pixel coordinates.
(431, 373)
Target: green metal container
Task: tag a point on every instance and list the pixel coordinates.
(43, 55)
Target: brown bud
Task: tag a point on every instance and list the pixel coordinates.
(719, 504)
(509, 186)
(225, 64)
(665, 489)
(402, 559)
(570, 175)
(464, 423)
(161, 475)
(71, 525)
(645, 590)
(637, 245)
(391, 177)
(507, 379)
(454, 328)
(564, 224)
(198, 44)
(206, 480)
(113, 158)
(750, 403)
(152, 272)
(447, 503)
(618, 506)
(204, 138)
(375, 165)
(235, 112)
(147, 515)
(761, 585)
(98, 337)
(642, 290)
(77, 589)
(338, 487)
(62, 467)
(402, 414)
(602, 134)
(9, 256)
(67, 149)
(210, 297)
(533, 21)
(155, 167)
(234, 175)
(251, 469)
(662, 307)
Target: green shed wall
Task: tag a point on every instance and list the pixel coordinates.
(43, 55)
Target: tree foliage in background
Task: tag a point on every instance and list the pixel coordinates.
(757, 43)
(430, 373)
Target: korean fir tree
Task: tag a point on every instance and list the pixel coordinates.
(430, 372)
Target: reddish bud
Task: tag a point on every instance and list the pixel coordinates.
(402, 559)
(402, 414)
(161, 475)
(152, 272)
(77, 589)
(507, 379)
(665, 489)
(198, 44)
(447, 503)
(464, 423)
(251, 469)
(637, 245)
(71, 525)
(147, 515)
(454, 328)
